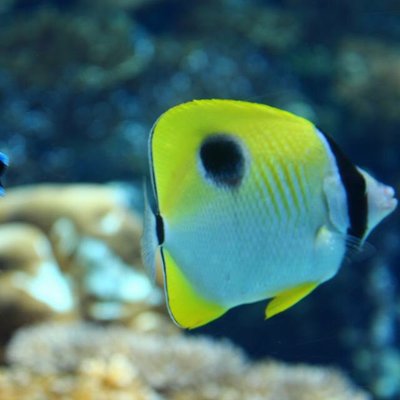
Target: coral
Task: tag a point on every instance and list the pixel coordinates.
(164, 361)
(175, 367)
(96, 380)
(272, 380)
(31, 285)
(95, 238)
(368, 77)
(92, 51)
(22, 247)
(274, 29)
(97, 211)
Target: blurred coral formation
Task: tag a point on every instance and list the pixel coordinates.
(72, 252)
(81, 83)
(368, 78)
(101, 48)
(81, 361)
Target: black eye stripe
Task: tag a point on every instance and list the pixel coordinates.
(160, 229)
(223, 160)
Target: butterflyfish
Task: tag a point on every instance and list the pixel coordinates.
(249, 202)
(3, 167)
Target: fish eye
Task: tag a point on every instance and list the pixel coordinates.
(222, 160)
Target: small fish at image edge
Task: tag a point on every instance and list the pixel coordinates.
(248, 202)
(3, 167)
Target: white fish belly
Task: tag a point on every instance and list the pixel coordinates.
(242, 253)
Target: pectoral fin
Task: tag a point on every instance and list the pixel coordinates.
(288, 298)
(187, 307)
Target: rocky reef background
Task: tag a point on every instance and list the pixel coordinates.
(82, 82)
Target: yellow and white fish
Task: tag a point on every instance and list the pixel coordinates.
(250, 202)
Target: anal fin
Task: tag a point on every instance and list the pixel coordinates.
(288, 298)
(187, 307)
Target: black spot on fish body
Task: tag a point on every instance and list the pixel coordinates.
(223, 160)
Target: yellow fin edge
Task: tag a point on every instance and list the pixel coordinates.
(286, 299)
(187, 307)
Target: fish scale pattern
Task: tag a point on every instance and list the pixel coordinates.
(253, 239)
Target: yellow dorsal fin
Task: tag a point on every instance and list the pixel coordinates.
(288, 298)
(186, 306)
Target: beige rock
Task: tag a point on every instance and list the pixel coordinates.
(26, 261)
(98, 211)
(95, 240)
